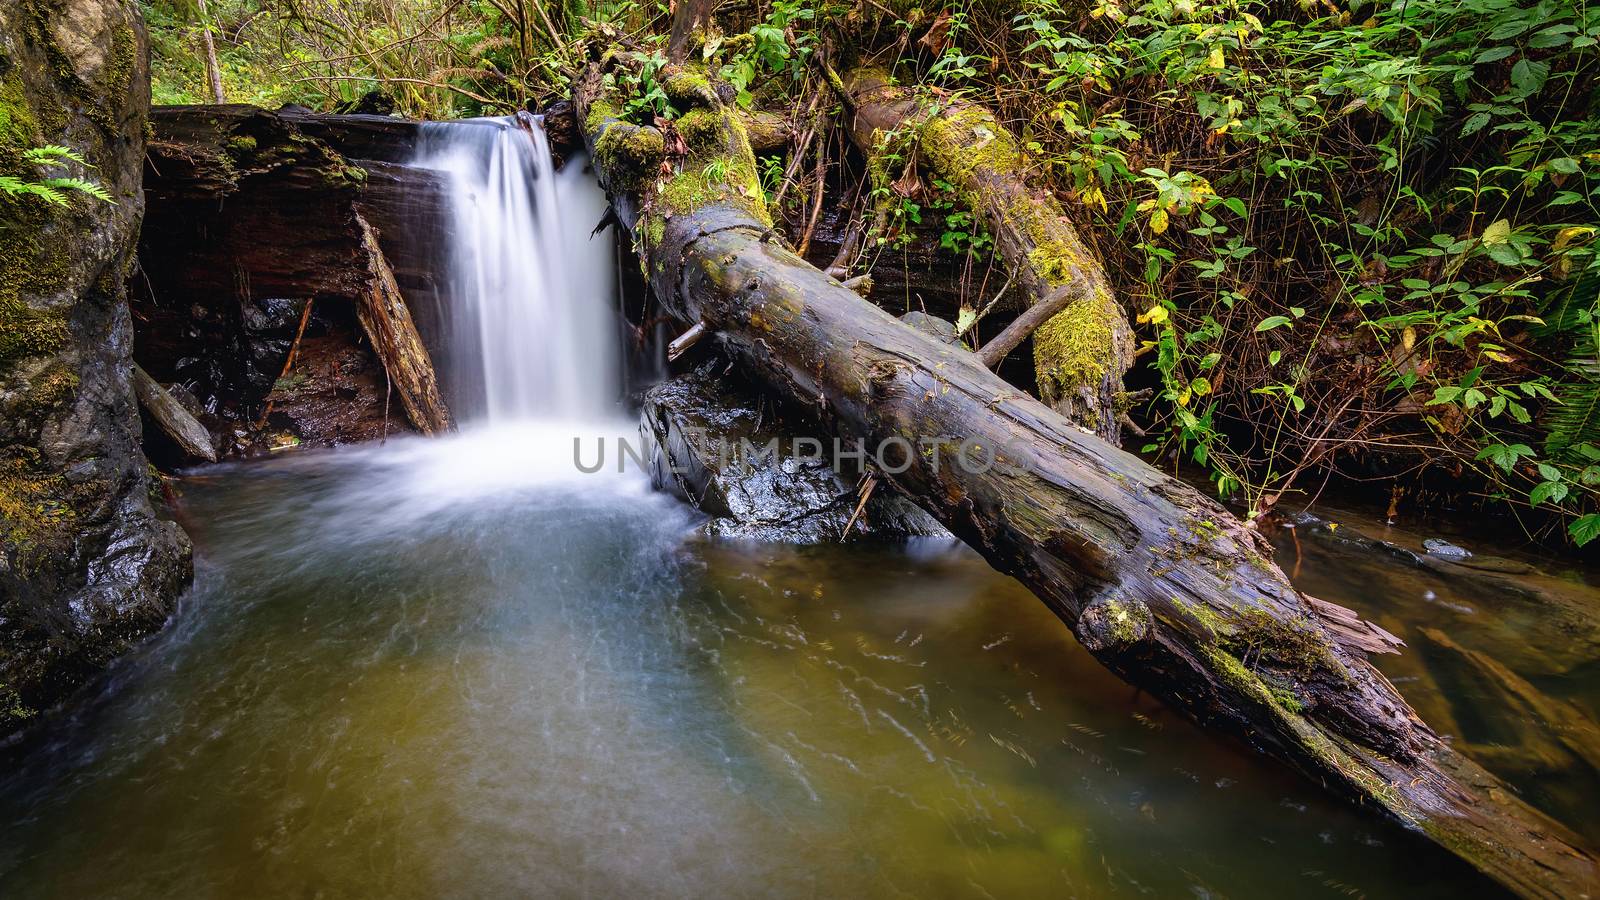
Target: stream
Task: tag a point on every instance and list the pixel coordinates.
(431, 669)
(461, 667)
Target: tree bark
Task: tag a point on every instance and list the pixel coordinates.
(209, 48)
(1160, 583)
(1081, 353)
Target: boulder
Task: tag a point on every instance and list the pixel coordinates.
(88, 563)
(707, 442)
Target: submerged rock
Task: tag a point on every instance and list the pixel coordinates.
(88, 564)
(710, 446)
(1445, 550)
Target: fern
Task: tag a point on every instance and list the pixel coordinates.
(1572, 313)
(54, 154)
(80, 185)
(56, 190)
(1577, 419)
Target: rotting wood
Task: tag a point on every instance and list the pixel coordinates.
(175, 421)
(1157, 581)
(681, 344)
(383, 315)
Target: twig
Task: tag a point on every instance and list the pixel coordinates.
(288, 361)
(866, 494)
(992, 353)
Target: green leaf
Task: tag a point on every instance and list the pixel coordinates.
(1238, 207)
(1271, 322)
(1474, 123)
(1529, 75)
(1505, 455)
(1553, 491)
(1584, 529)
(1495, 54)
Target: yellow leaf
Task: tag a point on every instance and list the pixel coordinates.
(1569, 234)
(1216, 60)
(1158, 221)
(1146, 205)
(1408, 338)
(1498, 232)
(1497, 356)
(1155, 315)
(1184, 398)
(1333, 526)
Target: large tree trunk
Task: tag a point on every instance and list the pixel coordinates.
(1080, 353)
(1160, 583)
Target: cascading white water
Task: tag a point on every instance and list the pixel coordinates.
(530, 294)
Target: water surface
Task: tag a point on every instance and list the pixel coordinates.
(435, 669)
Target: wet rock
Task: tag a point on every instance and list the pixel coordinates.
(709, 444)
(1445, 550)
(88, 563)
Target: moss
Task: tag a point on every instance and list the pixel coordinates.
(19, 128)
(628, 154)
(600, 111)
(12, 710)
(35, 514)
(27, 269)
(1070, 350)
(964, 139)
(120, 67)
(688, 89)
(240, 145)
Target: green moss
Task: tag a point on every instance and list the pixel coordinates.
(600, 112)
(241, 145)
(1071, 350)
(965, 139)
(12, 710)
(28, 270)
(19, 128)
(121, 65)
(688, 89)
(628, 154)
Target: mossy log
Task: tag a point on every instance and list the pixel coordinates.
(1159, 582)
(1081, 353)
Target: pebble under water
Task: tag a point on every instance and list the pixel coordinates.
(431, 669)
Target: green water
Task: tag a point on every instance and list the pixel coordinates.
(412, 671)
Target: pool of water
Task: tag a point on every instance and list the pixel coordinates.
(432, 669)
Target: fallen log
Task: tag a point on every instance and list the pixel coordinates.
(173, 419)
(1081, 352)
(387, 323)
(1157, 581)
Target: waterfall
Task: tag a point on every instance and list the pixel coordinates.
(530, 296)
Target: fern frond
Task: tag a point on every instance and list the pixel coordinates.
(79, 185)
(54, 153)
(439, 76)
(492, 42)
(12, 186)
(1577, 419)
